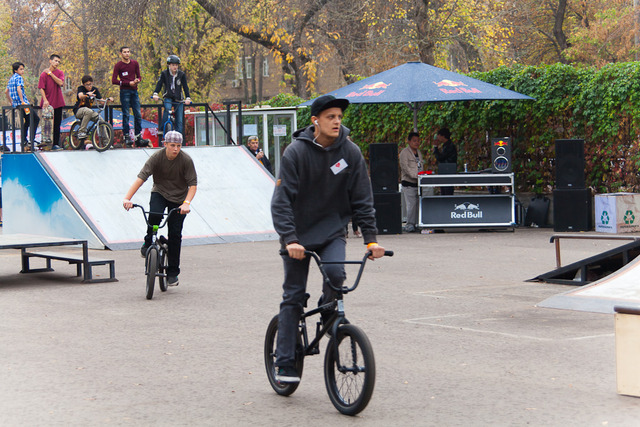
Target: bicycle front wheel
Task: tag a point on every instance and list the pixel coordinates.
(152, 268)
(162, 269)
(349, 370)
(270, 340)
(103, 136)
(74, 142)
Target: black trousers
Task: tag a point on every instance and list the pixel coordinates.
(57, 119)
(158, 204)
(26, 121)
(293, 297)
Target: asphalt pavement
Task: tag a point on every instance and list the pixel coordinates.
(453, 323)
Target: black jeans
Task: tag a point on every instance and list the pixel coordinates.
(57, 119)
(158, 204)
(26, 121)
(295, 287)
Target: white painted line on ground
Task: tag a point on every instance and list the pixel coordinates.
(486, 331)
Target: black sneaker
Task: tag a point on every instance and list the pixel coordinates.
(287, 374)
(143, 250)
(173, 281)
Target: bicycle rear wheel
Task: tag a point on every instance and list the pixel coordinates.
(162, 269)
(152, 268)
(74, 142)
(270, 340)
(351, 376)
(103, 136)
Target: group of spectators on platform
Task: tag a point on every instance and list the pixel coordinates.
(126, 75)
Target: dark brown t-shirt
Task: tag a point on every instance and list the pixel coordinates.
(171, 178)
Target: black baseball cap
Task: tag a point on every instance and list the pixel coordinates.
(327, 101)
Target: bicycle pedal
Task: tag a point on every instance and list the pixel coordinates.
(314, 350)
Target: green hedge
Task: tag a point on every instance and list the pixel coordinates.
(601, 106)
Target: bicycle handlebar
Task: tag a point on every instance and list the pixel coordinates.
(166, 215)
(182, 101)
(313, 254)
(320, 262)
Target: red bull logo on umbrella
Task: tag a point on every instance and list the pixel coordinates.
(378, 85)
(374, 89)
(449, 83)
(459, 87)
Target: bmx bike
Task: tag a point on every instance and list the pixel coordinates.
(99, 132)
(349, 363)
(170, 123)
(155, 262)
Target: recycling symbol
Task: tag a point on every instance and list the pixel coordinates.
(629, 217)
(604, 218)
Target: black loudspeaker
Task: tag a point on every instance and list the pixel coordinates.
(383, 165)
(388, 212)
(569, 163)
(572, 209)
(537, 211)
(501, 155)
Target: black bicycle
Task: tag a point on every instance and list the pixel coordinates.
(349, 364)
(155, 264)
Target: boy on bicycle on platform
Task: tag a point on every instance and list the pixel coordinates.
(174, 82)
(174, 185)
(83, 109)
(322, 183)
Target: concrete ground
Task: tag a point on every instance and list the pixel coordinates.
(456, 335)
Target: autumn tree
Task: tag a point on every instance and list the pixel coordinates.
(605, 33)
(31, 38)
(462, 36)
(89, 33)
(185, 29)
(284, 27)
(5, 27)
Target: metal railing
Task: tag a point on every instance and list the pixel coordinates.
(14, 113)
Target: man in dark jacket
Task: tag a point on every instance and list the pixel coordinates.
(322, 183)
(445, 152)
(253, 144)
(175, 83)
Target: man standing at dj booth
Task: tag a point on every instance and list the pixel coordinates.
(411, 164)
(445, 152)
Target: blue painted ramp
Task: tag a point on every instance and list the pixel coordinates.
(34, 204)
(232, 203)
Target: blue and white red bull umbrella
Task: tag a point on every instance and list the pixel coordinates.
(416, 83)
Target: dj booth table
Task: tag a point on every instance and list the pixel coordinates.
(473, 210)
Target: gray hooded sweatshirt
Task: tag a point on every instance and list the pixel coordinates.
(319, 189)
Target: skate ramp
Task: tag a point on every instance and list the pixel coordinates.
(621, 287)
(79, 194)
